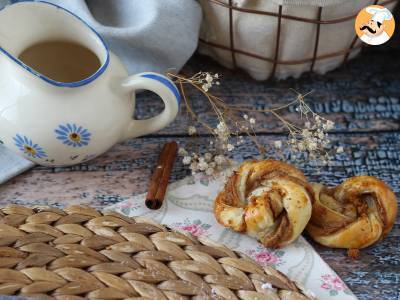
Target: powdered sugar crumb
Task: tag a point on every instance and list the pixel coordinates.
(267, 286)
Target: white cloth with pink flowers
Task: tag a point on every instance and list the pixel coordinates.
(189, 206)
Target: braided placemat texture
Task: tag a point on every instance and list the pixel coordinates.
(81, 253)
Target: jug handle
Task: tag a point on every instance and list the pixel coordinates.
(165, 89)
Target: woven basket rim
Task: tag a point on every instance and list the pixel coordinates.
(76, 252)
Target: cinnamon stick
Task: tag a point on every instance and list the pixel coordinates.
(160, 178)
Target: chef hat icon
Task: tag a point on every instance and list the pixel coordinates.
(379, 14)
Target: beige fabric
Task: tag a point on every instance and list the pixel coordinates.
(322, 3)
(257, 34)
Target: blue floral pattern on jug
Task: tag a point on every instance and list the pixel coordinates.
(26, 146)
(73, 135)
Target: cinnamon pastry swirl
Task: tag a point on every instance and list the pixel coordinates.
(269, 200)
(354, 214)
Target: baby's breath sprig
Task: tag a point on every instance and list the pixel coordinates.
(311, 139)
(236, 122)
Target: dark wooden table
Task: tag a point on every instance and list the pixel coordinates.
(363, 100)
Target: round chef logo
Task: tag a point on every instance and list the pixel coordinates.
(374, 25)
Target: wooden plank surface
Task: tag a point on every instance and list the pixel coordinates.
(362, 98)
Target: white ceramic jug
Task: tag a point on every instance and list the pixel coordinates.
(57, 123)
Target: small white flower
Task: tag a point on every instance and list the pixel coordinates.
(209, 78)
(219, 159)
(192, 130)
(307, 125)
(252, 121)
(182, 152)
(187, 160)
(245, 116)
(306, 133)
(340, 149)
(216, 75)
(325, 143)
(202, 165)
(329, 125)
(278, 144)
(193, 166)
(210, 171)
(312, 146)
(208, 157)
(230, 147)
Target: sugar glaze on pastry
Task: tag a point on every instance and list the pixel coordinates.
(269, 200)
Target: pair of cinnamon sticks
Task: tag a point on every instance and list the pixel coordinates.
(160, 178)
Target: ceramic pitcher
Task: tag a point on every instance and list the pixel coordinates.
(57, 123)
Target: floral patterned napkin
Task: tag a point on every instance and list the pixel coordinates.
(189, 206)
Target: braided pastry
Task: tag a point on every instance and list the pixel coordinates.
(269, 200)
(354, 214)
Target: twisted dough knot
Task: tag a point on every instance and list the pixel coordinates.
(270, 200)
(354, 214)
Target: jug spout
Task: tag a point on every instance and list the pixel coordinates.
(37, 22)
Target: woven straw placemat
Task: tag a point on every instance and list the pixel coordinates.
(81, 253)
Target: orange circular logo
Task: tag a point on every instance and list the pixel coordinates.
(374, 25)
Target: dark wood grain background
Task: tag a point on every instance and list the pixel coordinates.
(362, 98)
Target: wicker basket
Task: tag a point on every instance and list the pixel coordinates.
(282, 38)
(79, 253)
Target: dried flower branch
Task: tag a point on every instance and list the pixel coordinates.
(234, 123)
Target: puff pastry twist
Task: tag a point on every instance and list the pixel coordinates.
(269, 200)
(354, 214)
